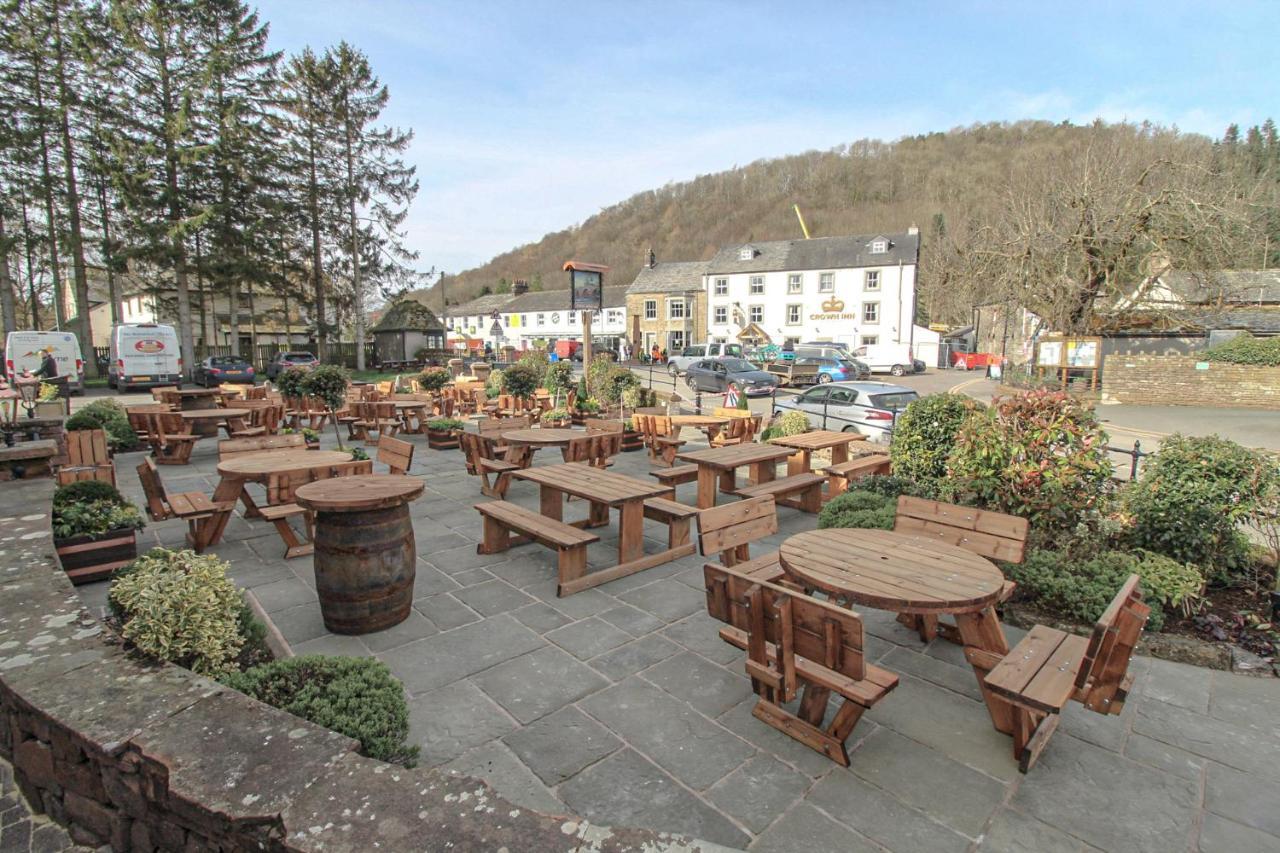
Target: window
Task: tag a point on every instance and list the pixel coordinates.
(746, 253)
(573, 318)
(675, 309)
(756, 313)
(721, 314)
(870, 340)
(842, 396)
(871, 312)
(879, 247)
(524, 319)
(675, 341)
(793, 315)
(795, 283)
(613, 315)
(872, 280)
(757, 285)
(722, 287)
(651, 309)
(506, 320)
(827, 282)
(542, 319)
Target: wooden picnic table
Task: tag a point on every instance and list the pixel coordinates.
(522, 443)
(197, 400)
(723, 463)
(415, 410)
(205, 422)
(364, 549)
(709, 424)
(238, 470)
(603, 490)
(903, 573)
(819, 439)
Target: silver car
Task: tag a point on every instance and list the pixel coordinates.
(870, 408)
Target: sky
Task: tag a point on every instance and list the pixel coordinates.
(529, 117)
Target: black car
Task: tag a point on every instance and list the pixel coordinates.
(217, 369)
(716, 375)
(282, 361)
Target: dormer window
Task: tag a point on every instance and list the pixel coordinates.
(746, 253)
(879, 246)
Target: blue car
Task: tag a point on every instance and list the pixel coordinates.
(837, 370)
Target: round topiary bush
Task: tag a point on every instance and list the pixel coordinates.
(521, 380)
(105, 415)
(357, 697)
(925, 435)
(86, 491)
(434, 380)
(289, 382)
(792, 423)
(859, 509)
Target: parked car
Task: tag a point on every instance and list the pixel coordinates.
(282, 361)
(831, 369)
(840, 345)
(869, 408)
(718, 374)
(217, 369)
(678, 364)
(144, 355)
(897, 359)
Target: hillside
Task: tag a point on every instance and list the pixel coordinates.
(944, 182)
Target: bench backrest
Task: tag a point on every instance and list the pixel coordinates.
(153, 489)
(1102, 676)
(167, 394)
(474, 448)
(395, 454)
(728, 530)
(603, 425)
(991, 534)
(236, 446)
(594, 449)
(87, 447)
(796, 624)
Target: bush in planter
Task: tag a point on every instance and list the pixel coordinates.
(445, 424)
(587, 406)
(180, 607)
(856, 508)
(94, 518)
(889, 485)
(86, 491)
(357, 697)
(557, 414)
(328, 383)
(105, 415)
(494, 384)
(521, 380)
(925, 435)
(358, 454)
(791, 423)
(614, 382)
(289, 382)
(558, 379)
(434, 380)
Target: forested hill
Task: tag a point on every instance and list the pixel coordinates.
(944, 182)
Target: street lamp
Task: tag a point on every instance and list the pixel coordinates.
(28, 393)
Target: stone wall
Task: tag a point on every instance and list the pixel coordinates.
(143, 756)
(1164, 380)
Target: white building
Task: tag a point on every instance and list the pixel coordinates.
(858, 290)
(532, 320)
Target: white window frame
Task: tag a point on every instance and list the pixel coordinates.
(871, 280)
(720, 314)
(573, 317)
(795, 283)
(879, 247)
(651, 309)
(746, 253)
(869, 308)
(826, 282)
(672, 337)
(869, 340)
(721, 286)
(754, 282)
(796, 311)
(542, 319)
(755, 313)
(672, 306)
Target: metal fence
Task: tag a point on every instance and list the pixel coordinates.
(342, 352)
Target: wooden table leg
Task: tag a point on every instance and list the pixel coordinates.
(798, 463)
(630, 531)
(228, 490)
(839, 453)
(982, 631)
(763, 472)
(729, 481)
(706, 486)
(551, 503)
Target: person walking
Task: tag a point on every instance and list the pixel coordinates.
(655, 354)
(48, 365)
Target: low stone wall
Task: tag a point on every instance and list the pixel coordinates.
(142, 756)
(1168, 380)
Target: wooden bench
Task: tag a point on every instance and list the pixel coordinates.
(994, 535)
(676, 475)
(840, 475)
(660, 436)
(1048, 668)
(87, 458)
(194, 507)
(232, 447)
(676, 516)
(481, 454)
(395, 453)
(597, 449)
(171, 444)
(806, 487)
(796, 645)
(279, 516)
(507, 524)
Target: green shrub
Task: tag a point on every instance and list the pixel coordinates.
(925, 435)
(587, 405)
(442, 424)
(106, 415)
(93, 518)
(856, 508)
(434, 379)
(537, 359)
(558, 379)
(1040, 455)
(596, 372)
(521, 380)
(1246, 349)
(289, 382)
(770, 432)
(358, 454)
(495, 383)
(614, 382)
(1192, 496)
(792, 423)
(180, 607)
(557, 414)
(357, 697)
(327, 383)
(86, 491)
(889, 485)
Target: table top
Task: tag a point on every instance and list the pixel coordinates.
(698, 420)
(280, 461)
(195, 392)
(359, 493)
(735, 455)
(892, 571)
(411, 404)
(818, 439)
(542, 437)
(590, 483)
(216, 414)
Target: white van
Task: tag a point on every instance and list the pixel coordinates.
(25, 351)
(144, 355)
(889, 358)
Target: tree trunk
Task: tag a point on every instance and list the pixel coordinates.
(113, 286)
(8, 307)
(357, 293)
(205, 337)
(29, 249)
(317, 270)
(179, 248)
(46, 181)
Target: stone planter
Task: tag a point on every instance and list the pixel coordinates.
(93, 558)
(480, 370)
(631, 441)
(442, 439)
(51, 409)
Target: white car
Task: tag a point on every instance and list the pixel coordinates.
(678, 364)
(869, 408)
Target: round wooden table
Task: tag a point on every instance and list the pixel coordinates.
(522, 443)
(364, 549)
(253, 466)
(199, 400)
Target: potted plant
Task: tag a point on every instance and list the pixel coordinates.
(328, 383)
(434, 380)
(557, 417)
(442, 433)
(558, 379)
(94, 529)
(309, 435)
(585, 408)
(631, 440)
(289, 383)
(48, 403)
(358, 454)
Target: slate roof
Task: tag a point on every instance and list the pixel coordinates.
(819, 253)
(1238, 286)
(543, 300)
(669, 277)
(407, 315)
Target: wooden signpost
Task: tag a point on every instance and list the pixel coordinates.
(586, 294)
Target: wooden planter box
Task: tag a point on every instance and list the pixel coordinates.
(92, 558)
(442, 439)
(631, 440)
(313, 445)
(556, 423)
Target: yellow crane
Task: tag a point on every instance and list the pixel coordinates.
(803, 227)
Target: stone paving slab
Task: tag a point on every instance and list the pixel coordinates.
(622, 704)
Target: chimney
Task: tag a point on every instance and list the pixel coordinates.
(914, 229)
(653, 259)
(519, 286)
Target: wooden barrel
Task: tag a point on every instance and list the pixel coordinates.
(364, 564)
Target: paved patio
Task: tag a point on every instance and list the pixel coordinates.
(620, 704)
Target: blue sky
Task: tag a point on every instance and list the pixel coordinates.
(531, 116)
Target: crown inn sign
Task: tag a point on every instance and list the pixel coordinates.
(833, 309)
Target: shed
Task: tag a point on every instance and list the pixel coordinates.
(406, 327)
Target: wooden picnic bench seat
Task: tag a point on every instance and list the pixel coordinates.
(171, 444)
(193, 507)
(87, 458)
(1049, 667)
(806, 487)
(279, 516)
(507, 524)
(676, 516)
(795, 644)
(231, 447)
(482, 458)
(676, 475)
(840, 475)
(994, 535)
(660, 436)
